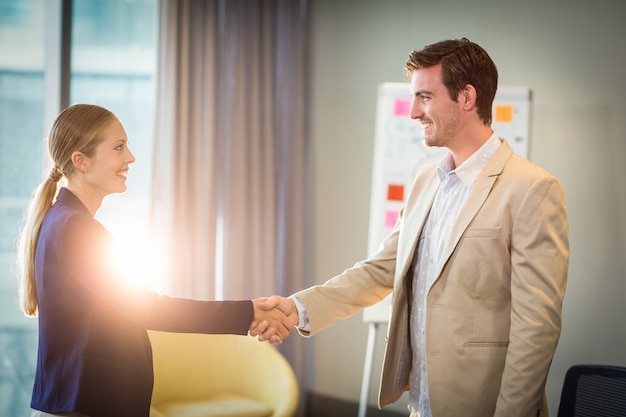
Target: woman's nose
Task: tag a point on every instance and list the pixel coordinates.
(131, 157)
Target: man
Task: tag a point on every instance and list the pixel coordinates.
(477, 261)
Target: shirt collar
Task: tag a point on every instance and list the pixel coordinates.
(469, 170)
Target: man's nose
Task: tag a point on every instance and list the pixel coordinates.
(416, 111)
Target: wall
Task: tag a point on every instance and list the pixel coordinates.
(572, 56)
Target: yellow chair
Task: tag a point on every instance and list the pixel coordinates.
(220, 376)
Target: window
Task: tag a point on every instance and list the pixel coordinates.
(113, 64)
(21, 130)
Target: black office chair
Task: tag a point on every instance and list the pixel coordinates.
(594, 391)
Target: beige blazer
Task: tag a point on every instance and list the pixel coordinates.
(494, 311)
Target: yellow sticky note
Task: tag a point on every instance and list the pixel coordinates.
(504, 113)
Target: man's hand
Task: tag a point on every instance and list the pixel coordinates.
(274, 318)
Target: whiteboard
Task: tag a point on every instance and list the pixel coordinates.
(399, 152)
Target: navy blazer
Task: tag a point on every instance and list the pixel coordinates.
(94, 353)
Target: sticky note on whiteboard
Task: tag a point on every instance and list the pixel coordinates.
(504, 113)
(391, 216)
(395, 192)
(401, 107)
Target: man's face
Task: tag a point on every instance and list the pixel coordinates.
(431, 106)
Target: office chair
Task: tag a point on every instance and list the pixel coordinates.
(220, 375)
(594, 391)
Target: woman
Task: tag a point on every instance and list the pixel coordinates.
(94, 355)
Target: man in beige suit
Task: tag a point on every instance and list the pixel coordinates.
(477, 261)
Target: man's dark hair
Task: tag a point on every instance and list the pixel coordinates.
(462, 62)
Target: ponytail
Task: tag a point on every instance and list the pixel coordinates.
(43, 198)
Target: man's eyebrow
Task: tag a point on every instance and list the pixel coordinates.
(421, 93)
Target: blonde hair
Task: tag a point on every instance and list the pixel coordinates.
(75, 129)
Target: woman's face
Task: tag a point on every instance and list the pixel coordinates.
(108, 167)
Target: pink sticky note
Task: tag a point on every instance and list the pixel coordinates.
(391, 216)
(401, 107)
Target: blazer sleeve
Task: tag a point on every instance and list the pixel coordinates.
(362, 285)
(539, 264)
(88, 258)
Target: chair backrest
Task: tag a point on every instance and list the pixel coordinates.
(189, 367)
(594, 391)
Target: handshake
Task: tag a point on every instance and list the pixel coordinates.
(274, 318)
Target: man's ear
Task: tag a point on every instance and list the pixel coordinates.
(80, 161)
(467, 97)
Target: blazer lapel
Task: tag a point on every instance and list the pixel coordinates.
(477, 196)
(417, 208)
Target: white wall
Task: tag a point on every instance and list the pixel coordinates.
(572, 55)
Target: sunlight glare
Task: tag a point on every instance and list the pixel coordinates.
(137, 259)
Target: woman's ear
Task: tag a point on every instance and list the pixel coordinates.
(80, 161)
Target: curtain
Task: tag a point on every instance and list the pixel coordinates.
(230, 168)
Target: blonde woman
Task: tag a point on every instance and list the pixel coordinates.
(94, 355)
